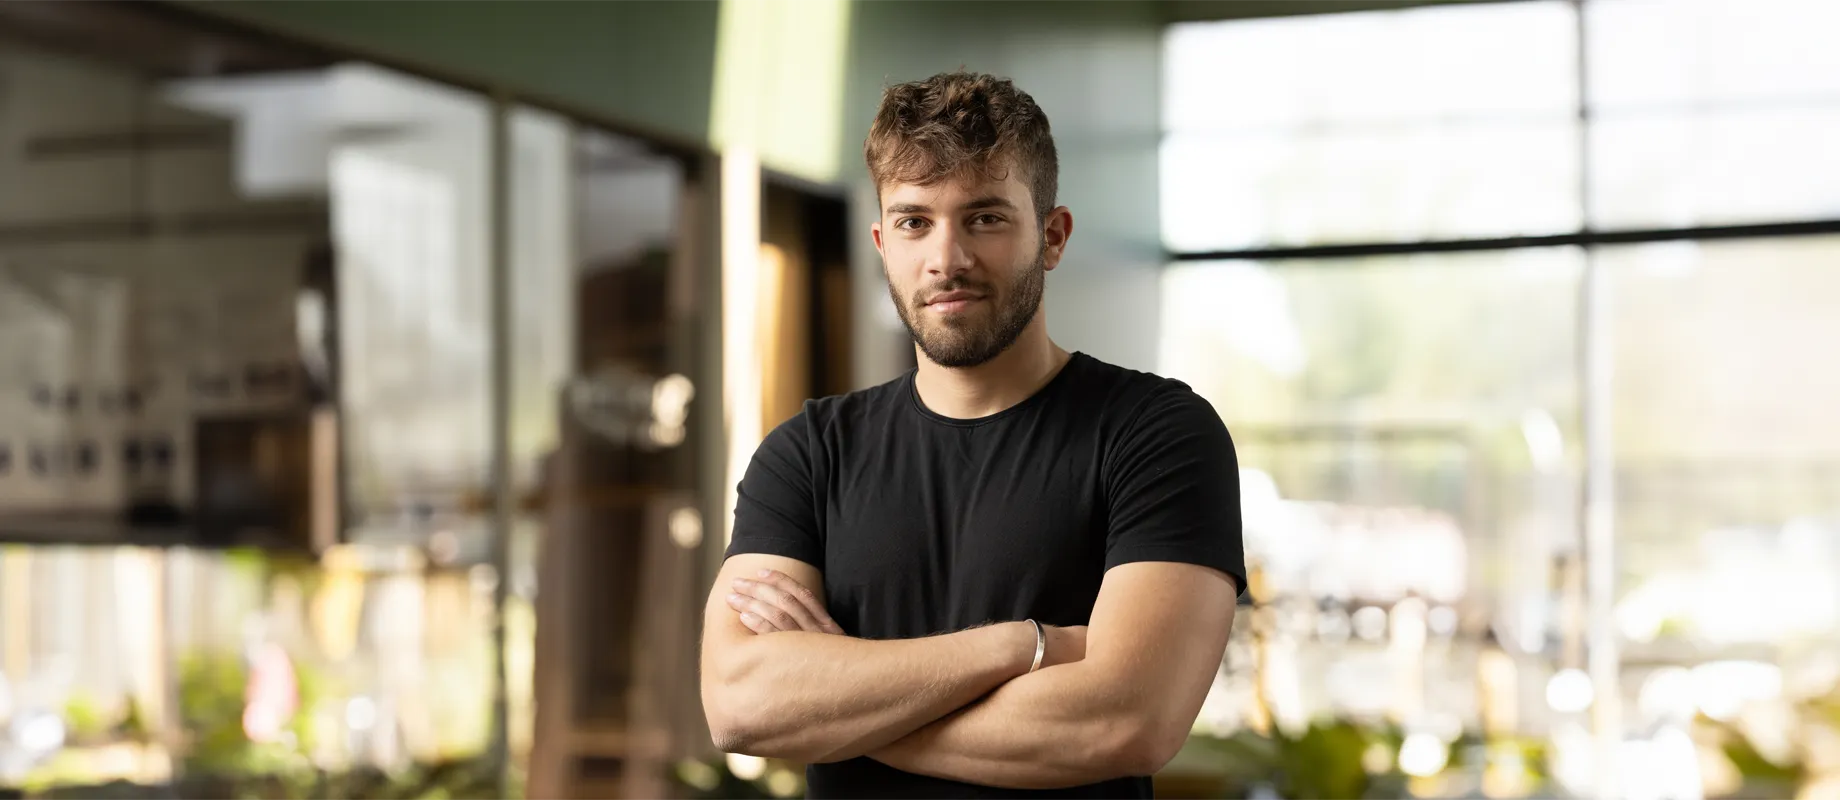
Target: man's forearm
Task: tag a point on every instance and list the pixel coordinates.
(1053, 729)
(820, 697)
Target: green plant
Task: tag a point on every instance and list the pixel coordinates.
(1754, 768)
(211, 712)
(211, 703)
(133, 726)
(461, 779)
(1325, 760)
(85, 718)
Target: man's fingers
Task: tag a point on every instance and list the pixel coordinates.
(756, 624)
(774, 615)
(744, 605)
(804, 595)
(785, 602)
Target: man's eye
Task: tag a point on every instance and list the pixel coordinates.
(910, 223)
(986, 219)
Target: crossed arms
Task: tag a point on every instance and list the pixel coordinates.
(1112, 700)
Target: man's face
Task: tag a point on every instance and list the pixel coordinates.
(965, 262)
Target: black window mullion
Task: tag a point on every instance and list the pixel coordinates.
(1581, 238)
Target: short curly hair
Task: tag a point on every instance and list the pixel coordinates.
(960, 124)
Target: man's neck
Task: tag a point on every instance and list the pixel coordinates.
(1013, 376)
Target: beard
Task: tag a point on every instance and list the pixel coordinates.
(969, 340)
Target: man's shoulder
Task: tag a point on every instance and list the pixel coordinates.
(1126, 394)
(841, 414)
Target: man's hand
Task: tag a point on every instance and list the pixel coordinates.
(774, 602)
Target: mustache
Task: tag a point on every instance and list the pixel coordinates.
(958, 284)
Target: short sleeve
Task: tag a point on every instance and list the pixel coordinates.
(776, 509)
(1172, 483)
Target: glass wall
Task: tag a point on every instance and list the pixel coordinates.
(249, 482)
(158, 386)
(1406, 381)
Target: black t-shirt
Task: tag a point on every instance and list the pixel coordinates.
(923, 524)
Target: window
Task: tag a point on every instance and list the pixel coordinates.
(1713, 113)
(1728, 448)
(1463, 123)
(1376, 126)
(1397, 383)
(1382, 228)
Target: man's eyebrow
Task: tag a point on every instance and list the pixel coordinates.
(976, 204)
(989, 201)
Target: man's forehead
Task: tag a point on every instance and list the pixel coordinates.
(957, 193)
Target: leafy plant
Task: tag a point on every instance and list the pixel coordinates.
(211, 703)
(1753, 767)
(464, 779)
(1326, 760)
(85, 718)
(133, 726)
(211, 712)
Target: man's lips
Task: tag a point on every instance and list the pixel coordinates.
(952, 301)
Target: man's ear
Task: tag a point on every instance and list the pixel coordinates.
(875, 232)
(1056, 229)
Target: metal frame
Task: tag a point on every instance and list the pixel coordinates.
(504, 499)
(1586, 238)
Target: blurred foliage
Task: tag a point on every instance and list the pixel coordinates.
(1329, 760)
(216, 757)
(711, 779)
(1758, 771)
(1531, 752)
(63, 768)
(211, 702)
(227, 764)
(465, 779)
(1326, 761)
(1824, 710)
(1756, 768)
(84, 718)
(133, 726)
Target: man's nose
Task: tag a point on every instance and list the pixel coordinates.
(951, 256)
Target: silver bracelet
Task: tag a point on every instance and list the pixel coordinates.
(1041, 645)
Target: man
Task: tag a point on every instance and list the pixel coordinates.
(1008, 571)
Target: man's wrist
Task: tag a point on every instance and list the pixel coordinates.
(1027, 637)
(1011, 647)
